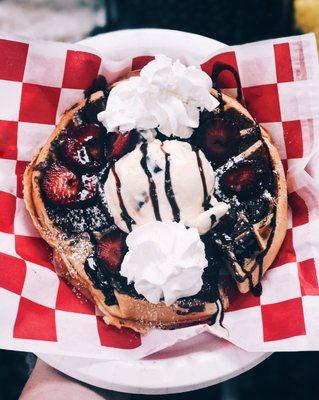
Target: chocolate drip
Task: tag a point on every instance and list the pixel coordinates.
(202, 175)
(98, 84)
(169, 189)
(257, 290)
(213, 219)
(220, 309)
(221, 101)
(88, 113)
(250, 280)
(260, 259)
(99, 280)
(218, 69)
(124, 214)
(152, 187)
(248, 274)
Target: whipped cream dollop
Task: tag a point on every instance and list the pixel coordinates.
(167, 96)
(165, 181)
(165, 260)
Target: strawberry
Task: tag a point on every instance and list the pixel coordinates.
(246, 180)
(121, 143)
(62, 187)
(110, 250)
(84, 147)
(218, 138)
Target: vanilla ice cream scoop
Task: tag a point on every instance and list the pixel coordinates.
(163, 181)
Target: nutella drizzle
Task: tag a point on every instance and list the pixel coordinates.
(202, 175)
(99, 280)
(257, 290)
(98, 84)
(213, 219)
(152, 187)
(220, 99)
(169, 189)
(220, 309)
(217, 70)
(91, 109)
(250, 279)
(124, 214)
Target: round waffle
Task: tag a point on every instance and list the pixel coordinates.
(62, 191)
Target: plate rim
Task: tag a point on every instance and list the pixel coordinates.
(118, 371)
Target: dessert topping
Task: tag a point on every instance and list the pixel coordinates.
(62, 187)
(110, 250)
(167, 96)
(165, 260)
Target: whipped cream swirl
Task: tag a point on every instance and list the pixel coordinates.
(165, 260)
(167, 96)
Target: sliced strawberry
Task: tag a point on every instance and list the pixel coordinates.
(218, 138)
(120, 144)
(246, 180)
(111, 249)
(84, 147)
(62, 187)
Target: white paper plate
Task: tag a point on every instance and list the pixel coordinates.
(194, 364)
(199, 362)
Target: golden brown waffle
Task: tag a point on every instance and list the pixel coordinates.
(72, 251)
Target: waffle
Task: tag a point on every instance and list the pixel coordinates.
(244, 243)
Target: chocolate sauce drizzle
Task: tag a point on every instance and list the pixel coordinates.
(213, 219)
(220, 99)
(202, 175)
(152, 187)
(220, 309)
(91, 109)
(100, 280)
(256, 290)
(169, 189)
(100, 83)
(124, 214)
(218, 68)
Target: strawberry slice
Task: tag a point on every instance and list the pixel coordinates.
(218, 138)
(84, 147)
(62, 187)
(120, 144)
(111, 249)
(245, 180)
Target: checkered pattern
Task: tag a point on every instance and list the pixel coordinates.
(35, 88)
(271, 76)
(39, 312)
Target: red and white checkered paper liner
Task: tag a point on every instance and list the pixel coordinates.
(40, 313)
